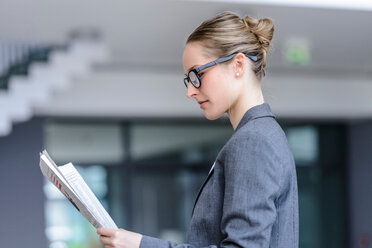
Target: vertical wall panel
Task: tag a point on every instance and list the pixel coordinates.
(22, 199)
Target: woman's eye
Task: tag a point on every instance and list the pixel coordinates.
(201, 75)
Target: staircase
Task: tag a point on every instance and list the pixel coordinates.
(31, 74)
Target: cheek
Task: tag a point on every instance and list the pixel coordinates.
(224, 89)
(221, 95)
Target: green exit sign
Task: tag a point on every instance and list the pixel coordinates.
(297, 53)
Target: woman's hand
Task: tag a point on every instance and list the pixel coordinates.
(119, 238)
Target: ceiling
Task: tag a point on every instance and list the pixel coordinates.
(153, 33)
(146, 39)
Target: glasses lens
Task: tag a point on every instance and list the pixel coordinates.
(194, 79)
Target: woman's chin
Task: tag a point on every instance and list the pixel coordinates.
(211, 116)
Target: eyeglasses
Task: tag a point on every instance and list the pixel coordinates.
(194, 77)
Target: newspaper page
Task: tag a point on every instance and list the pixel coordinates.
(86, 195)
(51, 171)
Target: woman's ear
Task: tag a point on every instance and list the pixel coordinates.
(239, 63)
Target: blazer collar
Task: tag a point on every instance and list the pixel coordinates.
(258, 111)
(202, 187)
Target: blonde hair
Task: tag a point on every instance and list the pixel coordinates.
(227, 33)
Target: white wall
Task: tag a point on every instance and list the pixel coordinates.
(126, 94)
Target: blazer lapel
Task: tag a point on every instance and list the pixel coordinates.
(201, 188)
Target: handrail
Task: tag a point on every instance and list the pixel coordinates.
(18, 58)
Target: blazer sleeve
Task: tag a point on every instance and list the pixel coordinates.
(252, 185)
(150, 242)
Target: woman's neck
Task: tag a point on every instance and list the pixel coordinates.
(248, 99)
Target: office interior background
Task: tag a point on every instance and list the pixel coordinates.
(100, 84)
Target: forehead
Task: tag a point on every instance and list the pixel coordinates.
(194, 54)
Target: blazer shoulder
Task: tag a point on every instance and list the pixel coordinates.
(244, 143)
(266, 129)
(262, 137)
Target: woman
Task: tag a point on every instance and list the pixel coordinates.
(249, 198)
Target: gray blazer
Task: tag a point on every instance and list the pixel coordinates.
(249, 198)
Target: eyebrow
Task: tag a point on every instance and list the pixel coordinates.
(192, 67)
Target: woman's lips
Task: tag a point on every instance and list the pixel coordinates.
(202, 103)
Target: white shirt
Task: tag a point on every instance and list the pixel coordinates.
(212, 167)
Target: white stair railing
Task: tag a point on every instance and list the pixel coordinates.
(44, 79)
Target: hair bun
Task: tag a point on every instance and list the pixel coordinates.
(262, 28)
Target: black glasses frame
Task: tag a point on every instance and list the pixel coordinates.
(196, 71)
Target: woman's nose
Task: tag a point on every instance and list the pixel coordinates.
(191, 90)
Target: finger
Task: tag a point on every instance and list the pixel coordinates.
(106, 231)
(106, 240)
(108, 246)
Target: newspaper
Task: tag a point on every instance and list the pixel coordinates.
(67, 179)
